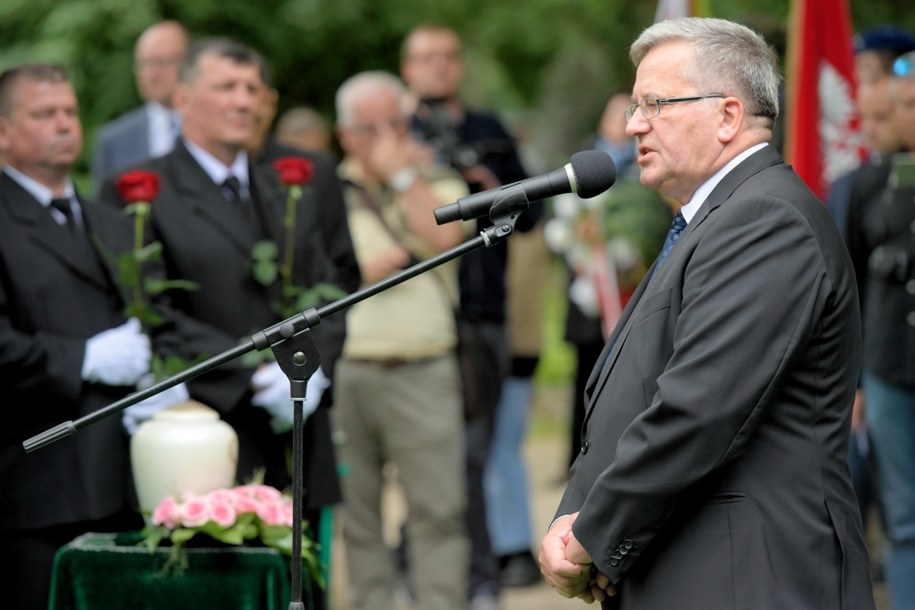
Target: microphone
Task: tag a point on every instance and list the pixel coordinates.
(590, 173)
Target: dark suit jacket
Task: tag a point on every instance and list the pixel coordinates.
(119, 144)
(209, 241)
(713, 471)
(55, 293)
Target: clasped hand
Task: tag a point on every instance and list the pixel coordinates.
(118, 356)
(568, 567)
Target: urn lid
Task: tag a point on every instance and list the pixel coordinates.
(187, 411)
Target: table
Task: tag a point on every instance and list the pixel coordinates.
(110, 572)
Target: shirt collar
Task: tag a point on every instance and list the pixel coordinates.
(216, 169)
(43, 194)
(705, 189)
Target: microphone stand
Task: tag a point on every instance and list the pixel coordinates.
(298, 357)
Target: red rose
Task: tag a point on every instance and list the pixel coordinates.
(138, 186)
(294, 171)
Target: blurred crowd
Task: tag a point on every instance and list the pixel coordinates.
(431, 379)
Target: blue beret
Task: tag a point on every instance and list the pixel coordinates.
(885, 38)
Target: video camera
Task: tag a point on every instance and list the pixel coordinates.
(438, 129)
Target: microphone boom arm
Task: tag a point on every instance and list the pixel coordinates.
(503, 226)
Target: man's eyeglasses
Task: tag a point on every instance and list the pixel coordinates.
(651, 106)
(369, 130)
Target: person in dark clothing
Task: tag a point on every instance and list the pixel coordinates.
(476, 143)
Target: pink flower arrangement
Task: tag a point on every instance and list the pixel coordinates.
(246, 514)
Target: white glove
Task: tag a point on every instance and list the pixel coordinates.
(118, 356)
(134, 415)
(273, 393)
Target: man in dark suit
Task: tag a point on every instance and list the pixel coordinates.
(150, 130)
(208, 227)
(67, 349)
(713, 466)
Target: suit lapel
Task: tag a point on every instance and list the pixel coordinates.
(72, 250)
(141, 133)
(611, 349)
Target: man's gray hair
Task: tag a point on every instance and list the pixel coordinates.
(366, 84)
(730, 58)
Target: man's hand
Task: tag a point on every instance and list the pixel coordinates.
(570, 578)
(384, 263)
(481, 176)
(568, 567)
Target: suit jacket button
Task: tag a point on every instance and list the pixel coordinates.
(584, 447)
(627, 543)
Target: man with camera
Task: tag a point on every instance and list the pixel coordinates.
(476, 144)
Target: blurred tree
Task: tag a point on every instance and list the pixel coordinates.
(548, 65)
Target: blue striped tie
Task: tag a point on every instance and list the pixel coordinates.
(673, 235)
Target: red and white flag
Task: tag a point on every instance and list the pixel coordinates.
(822, 140)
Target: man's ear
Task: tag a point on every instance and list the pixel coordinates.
(4, 134)
(731, 118)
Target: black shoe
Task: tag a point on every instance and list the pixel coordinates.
(519, 570)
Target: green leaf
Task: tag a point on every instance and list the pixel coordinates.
(264, 273)
(183, 534)
(265, 250)
(231, 535)
(264, 266)
(158, 285)
(149, 252)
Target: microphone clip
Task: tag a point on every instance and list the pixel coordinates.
(504, 213)
(510, 202)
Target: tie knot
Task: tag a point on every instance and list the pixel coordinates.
(678, 224)
(676, 227)
(62, 205)
(232, 188)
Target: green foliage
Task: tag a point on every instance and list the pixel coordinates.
(264, 266)
(553, 62)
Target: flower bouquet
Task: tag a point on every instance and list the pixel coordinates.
(244, 515)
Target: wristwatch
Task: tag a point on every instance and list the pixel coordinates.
(403, 180)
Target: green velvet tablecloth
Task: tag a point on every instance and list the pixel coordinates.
(109, 572)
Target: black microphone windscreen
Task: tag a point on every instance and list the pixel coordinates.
(594, 172)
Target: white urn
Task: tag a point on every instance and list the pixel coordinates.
(185, 448)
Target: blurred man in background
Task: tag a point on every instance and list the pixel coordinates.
(150, 130)
(398, 389)
(475, 143)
